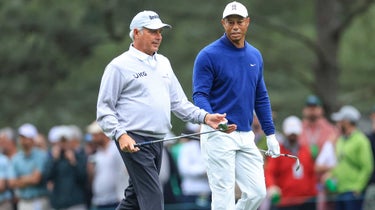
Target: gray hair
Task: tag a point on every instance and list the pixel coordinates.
(131, 33)
(9, 133)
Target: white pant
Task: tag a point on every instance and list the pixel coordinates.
(232, 158)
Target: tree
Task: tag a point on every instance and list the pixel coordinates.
(332, 19)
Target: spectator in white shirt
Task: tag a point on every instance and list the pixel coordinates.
(106, 170)
(194, 185)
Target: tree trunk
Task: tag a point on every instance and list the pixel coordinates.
(326, 69)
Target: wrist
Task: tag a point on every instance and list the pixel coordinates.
(204, 119)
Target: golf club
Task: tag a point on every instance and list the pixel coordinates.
(285, 155)
(173, 138)
(222, 127)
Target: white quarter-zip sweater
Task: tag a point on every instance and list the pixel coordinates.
(138, 92)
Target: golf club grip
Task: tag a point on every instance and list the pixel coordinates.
(144, 143)
(139, 144)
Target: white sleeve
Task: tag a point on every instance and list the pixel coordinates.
(327, 155)
(109, 92)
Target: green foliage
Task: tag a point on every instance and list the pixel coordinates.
(357, 53)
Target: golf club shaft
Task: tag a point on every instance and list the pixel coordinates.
(173, 138)
(285, 155)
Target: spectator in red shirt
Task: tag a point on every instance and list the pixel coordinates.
(297, 188)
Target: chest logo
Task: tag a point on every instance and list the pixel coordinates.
(139, 74)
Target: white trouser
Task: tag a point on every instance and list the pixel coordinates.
(232, 158)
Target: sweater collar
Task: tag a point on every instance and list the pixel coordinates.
(228, 43)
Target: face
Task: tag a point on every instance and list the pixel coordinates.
(343, 126)
(235, 28)
(292, 138)
(99, 139)
(312, 113)
(147, 40)
(26, 143)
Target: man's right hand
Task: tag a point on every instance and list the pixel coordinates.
(213, 120)
(127, 144)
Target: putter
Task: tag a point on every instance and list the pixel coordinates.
(285, 155)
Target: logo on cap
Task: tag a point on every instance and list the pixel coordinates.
(153, 17)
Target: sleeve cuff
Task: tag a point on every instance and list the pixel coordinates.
(119, 134)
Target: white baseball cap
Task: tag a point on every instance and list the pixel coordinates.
(346, 113)
(54, 134)
(28, 130)
(147, 19)
(235, 8)
(94, 128)
(292, 125)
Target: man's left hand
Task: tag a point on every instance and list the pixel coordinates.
(273, 146)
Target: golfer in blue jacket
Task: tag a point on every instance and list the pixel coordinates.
(228, 78)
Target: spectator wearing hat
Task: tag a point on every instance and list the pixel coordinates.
(27, 167)
(194, 181)
(66, 170)
(316, 131)
(106, 170)
(76, 138)
(348, 179)
(369, 201)
(297, 188)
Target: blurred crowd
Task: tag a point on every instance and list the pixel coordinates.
(64, 169)
(70, 168)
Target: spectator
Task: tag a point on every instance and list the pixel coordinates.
(76, 140)
(106, 170)
(26, 172)
(169, 175)
(297, 188)
(316, 130)
(77, 144)
(315, 127)
(41, 142)
(5, 194)
(66, 170)
(194, 182)
(369, 202)
(354, 161)
(8, 142)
